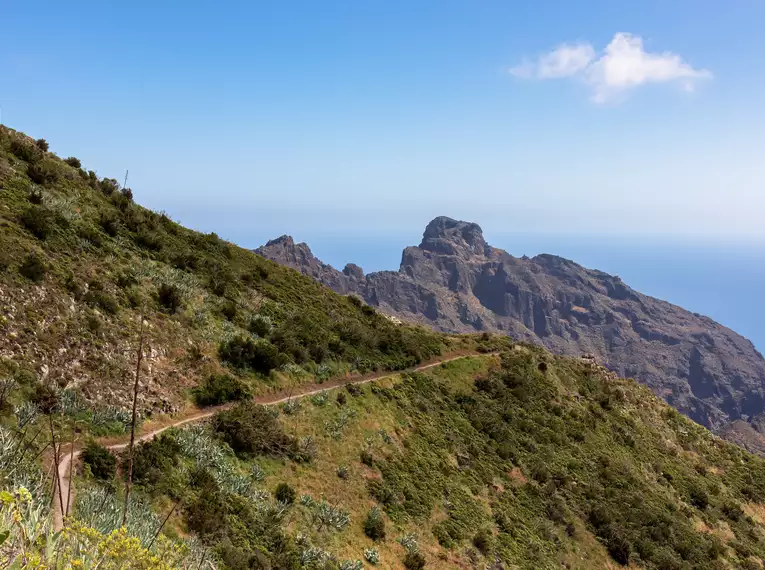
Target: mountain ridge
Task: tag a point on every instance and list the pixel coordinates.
(456, 282)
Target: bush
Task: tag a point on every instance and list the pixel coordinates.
(103, 465)
(374, 525)
(354, 390)
(127, 193)
(153, 460)
(110, 224)
(260, 356)
(482, 541)
(229, 310)
(285, 494)
(35, 196)
(33, 268)
(148, 239)
(341, 399)
(99, 298)
(73, 162)
(42, 144)
(260, 326)
(43, 172)
(39, 221)
(414, 561)
(44, 398)
(251, 429)
(169, 297)
(219, 389)
(25, 150)
(108, 186)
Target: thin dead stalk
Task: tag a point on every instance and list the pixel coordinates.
(129, 482)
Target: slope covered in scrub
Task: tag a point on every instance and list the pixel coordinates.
(515, 460)
(82, 262)
(523, 460)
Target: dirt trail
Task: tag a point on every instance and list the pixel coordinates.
(68, 456)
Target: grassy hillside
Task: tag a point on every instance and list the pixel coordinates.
(81, 263)
(523, 460)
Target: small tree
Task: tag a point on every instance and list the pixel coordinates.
(73, 161)
(42, 144)
(33, 268)
(285, 494)
(169, 297)
(374, 524)
(414, 561)
(102, 463)
(38, 220)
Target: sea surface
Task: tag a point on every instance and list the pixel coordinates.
(723, 281)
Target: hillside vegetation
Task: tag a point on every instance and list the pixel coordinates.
(520, 461)
(508, 457)
(81, 263)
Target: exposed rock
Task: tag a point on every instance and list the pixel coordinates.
(456, 282)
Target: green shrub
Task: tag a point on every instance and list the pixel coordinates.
(74, 162)
(35, 196)
(169, 297)
(374, 524)
(229, 310)
(97, 297)
(25, 150)
(260, 356)
(42, 144)
(45, 398)
(260, 326)
(341, 398)
(285, 494)
(153, 460)
(43, 172)
(250, 429)
(414, 561)
(482, 541)
(110, 224)
(33, 268)
(103, 465)
(90, 235)
(108, 186)
(149, 239)
(367, 458)
(219, 389)
(39, 221)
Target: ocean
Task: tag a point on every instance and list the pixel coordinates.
(724, 282)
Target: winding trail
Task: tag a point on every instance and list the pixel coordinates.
(69, 455)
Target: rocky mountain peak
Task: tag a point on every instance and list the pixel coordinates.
(283, 240)
(446, 236)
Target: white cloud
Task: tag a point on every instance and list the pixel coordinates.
(623, 65)
(565, 61)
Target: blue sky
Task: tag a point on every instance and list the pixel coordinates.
(368, 118)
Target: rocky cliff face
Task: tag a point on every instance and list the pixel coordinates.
(456, 282)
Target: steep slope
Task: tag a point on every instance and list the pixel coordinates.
(523, 461)
(456, 282)
(83, 265)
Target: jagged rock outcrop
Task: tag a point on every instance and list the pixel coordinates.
(456, 282)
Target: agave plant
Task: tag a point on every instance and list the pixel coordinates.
(371, 555)
(101, 509)
(320, 399)
(409, 542)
